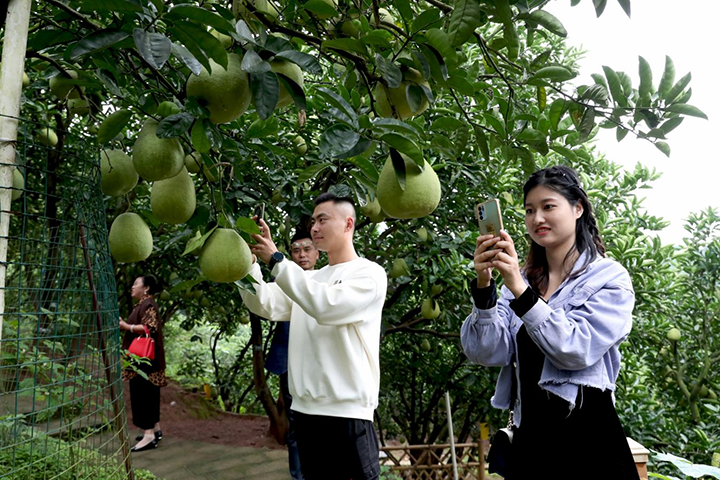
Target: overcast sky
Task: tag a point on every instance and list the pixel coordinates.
(686, 31)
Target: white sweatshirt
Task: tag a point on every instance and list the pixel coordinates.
(335, 315)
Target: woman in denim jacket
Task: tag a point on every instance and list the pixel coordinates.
(555, 331)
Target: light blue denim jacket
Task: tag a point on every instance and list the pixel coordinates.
(579, 330)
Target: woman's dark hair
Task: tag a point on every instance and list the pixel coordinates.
(565, 181)
(152, 283)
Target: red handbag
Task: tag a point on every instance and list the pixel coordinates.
(143, 346)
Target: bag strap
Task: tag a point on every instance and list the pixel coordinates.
(513, 391)
(147, 330)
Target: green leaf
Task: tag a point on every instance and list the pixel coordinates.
(295, 91)
(346, 45)
(244, 32)
(435, 62)
(597, 93)
(448, 124)
(671, 124)
(663, 147)
(557, 108)
(199, 137)
(321, 8)
(174, 125)
(153, 47)
(196, 242)
(549, 22)
(311, 171)
(110, 5)
(187, 58)
(112, 125)
(97, 41)
(668, 78)
(685, 109)
(464, 19)
(247, 225)
(440, 41)
(406, 147)
(406, 11)
(266, 91)
(367, 167)
(678, 88)
(551, 74)
(482, 140)
(360, 147)
(338, 139)
(646, 85)
(414, 96)
(306, 62)
(390, 125)
(461, 85)
(191, 46)
(425, 19)
(338, 102)
(496, 124)
(201, 15)
(209, 44)
(565, 152)
(262, 128)
(587, 123)
(505, 15)
(615, 86)
(380, 38)
(625, 4)
(621, 133)
(253, 63)
(398, 163)
(390, 72)
(599, 7)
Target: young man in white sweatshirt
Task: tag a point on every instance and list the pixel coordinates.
(334, 369)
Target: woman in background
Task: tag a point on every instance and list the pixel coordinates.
(145, 394)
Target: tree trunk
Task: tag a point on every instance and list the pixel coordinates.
(276, 413)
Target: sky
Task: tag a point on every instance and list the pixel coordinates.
(686, 31)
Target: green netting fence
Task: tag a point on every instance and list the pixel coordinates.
(62, 414)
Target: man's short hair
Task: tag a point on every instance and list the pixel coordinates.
(331, 197)
(300, 234)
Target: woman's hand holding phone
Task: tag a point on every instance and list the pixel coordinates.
(484, 254)
(507, 263)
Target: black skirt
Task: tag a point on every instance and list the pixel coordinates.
(144, 402)
(554, 442)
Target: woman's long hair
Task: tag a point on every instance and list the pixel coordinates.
(565, 181)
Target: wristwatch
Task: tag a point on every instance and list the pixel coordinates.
(276, 258)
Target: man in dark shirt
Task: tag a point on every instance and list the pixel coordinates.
(305, 254)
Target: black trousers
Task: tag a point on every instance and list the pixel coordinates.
(337, 448)
(144, 402)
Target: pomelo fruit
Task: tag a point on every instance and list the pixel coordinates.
(225, 257)
(225, 93)
(117, 172)
(173, 199)
(157, 158)
(130, 238)
(420, 197)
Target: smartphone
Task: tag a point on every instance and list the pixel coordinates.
(489, 219)
(259, 212)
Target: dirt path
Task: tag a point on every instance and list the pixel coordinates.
(201, 442)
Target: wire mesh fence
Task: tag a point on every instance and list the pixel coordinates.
(61, 405)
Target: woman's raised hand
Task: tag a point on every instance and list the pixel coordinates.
(507, 263)
(483, 258)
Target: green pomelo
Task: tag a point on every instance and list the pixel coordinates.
(156, 158)
(130, 239)
(225, 93)
(398, 97)
(225, 40)
(427, 311)
(263, 6)
(399, 268)
(300, 145)
(26, 80)
(420, 197)
(425, 345)
(293, 72)
(18, 184)
(47, 137)
(62, 86)
(167, 108)
(225, 257)
(371, 209)
(118, 173)
(193, 162)
(173, 200)
(78, 106)
(422, 234)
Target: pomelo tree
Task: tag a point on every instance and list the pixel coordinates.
(476, 93)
